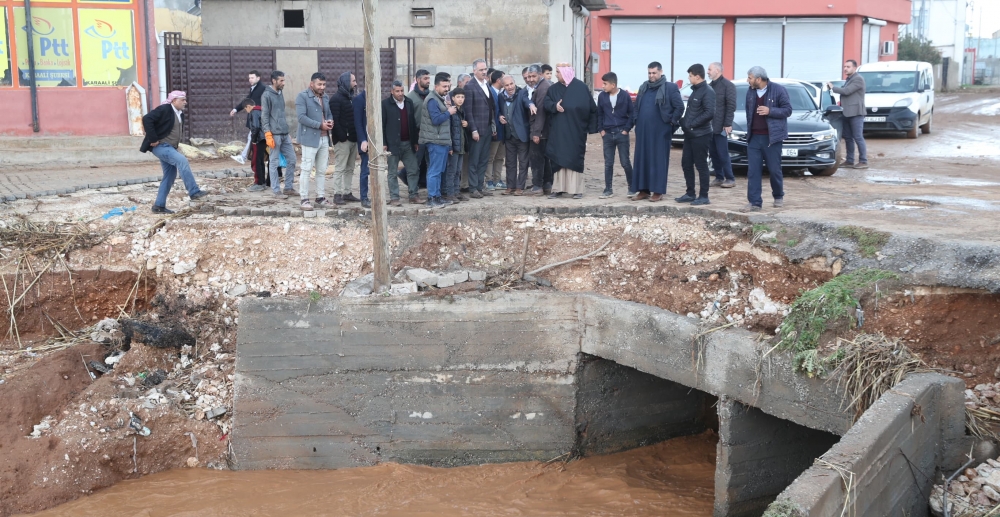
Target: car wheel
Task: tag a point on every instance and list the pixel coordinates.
(926, 128)
(911, 134)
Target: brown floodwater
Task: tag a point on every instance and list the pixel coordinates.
(671, 478)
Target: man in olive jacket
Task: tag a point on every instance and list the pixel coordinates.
(852, 99)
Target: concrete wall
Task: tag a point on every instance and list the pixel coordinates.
(758, 456)
(519, 28)
(894, 452)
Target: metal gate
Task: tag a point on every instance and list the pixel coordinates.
(215, 79)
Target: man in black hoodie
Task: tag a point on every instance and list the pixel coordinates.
(345, 139)
(697, 126)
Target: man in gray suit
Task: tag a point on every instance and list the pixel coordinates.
(312, 109)
(852, 99)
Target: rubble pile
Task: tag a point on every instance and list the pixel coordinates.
(975, 492)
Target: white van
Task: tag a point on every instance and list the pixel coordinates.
(899, 96)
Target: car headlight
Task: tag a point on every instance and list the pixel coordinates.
(902, 103)
(824, 136)
(738, 135)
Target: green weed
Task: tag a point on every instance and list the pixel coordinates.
(314, 296)
(815, 311)
(869, 241)
(761, 228)
(792, 243)
(782, 508)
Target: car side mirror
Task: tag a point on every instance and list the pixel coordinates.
(833, 108)
(920, 89)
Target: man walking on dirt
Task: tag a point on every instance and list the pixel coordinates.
(852, 99)
(164, 127)
(767, 109)
(272, 120)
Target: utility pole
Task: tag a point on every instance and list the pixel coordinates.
(376, 157)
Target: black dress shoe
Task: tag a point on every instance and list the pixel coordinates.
(161, 210)
(198, 195)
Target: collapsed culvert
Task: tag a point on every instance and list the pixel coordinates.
(710, 279)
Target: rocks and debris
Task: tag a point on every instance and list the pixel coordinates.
(136, 425)
(105, 331)
(424, 278)
(360, 287)
(99, 367)
(215, 412)
(976, 491)
(43, 427)
(153, 378)
(160, 336)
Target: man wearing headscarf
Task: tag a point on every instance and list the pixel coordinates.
(658, 112)
(345, 138)
(572, 115)
(164, 127)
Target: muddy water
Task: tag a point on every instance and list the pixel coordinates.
(672, 478)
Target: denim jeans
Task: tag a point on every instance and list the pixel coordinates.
(173, 162)
(719, 150)
(479, 156)
(614, 140)
(406, 155)
(363, 177)
(437, 161)
(695, 154)
(759, 153)
(320, 156)
(283, 145)
(451, 184)
(853, 128)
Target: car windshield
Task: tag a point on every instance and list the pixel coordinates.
(890, 82)
(797, 95)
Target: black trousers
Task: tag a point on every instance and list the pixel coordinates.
(258, 156)
(695, 155)
(541, 169)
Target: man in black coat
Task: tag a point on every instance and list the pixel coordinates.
(345, 138)
(399, 136)
(697, 126)
(255, 93)
(722, 127)
(164, 127)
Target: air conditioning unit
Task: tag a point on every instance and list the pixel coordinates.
(888, 48)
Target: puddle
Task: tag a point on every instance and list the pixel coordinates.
(881, 180)
(964, 202)
(939, 202)
(913, 203)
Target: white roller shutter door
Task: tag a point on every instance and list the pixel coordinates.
(696, 41)
(758, 43)
(870, 43)
(814, 48)
(635, 44)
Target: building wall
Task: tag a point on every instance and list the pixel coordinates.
(894, 11)
(519, 29)
(78, 110)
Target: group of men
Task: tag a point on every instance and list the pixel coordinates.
(463, 138)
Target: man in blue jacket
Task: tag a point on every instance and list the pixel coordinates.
(358, 103)
(767, 109)
(615, 118)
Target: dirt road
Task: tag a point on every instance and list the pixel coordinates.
(945, 185)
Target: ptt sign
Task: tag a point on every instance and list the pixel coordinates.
(48, 46)
(104, 31)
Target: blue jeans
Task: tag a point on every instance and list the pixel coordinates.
(853, 128)
(364, 174)
(479, 156)
(437, 161)
(453, 176)
(614, 140)
(283, 145)
(719, 150)
(759, 153)
(173, 162)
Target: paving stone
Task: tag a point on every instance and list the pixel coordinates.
(122, 183)
(477, 276)
(403, 288)
(547, 210)
(270, 213)
(10, 198)
(309, 214)
(562, 209)
(257, 211)
(445, 280)
(459, 276)
(295, 212)
(422, 276)
(281, 212)
(242, 211)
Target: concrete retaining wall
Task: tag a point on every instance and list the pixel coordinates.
(892, 455)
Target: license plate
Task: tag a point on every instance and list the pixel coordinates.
(874, 119)
(790, 152)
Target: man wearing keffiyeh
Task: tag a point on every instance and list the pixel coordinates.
(164, 127)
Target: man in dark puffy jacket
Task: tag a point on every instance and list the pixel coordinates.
(722, 127)
(697, 126)
(399, 138)
(345, 139)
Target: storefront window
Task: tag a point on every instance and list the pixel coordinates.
(107, 47)
(54, 47)
(6, 78)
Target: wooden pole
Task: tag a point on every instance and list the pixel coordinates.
(376, 157)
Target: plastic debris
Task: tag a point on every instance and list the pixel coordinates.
(114, 212)
(136, 424)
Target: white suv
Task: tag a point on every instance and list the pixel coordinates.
(899, 96)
